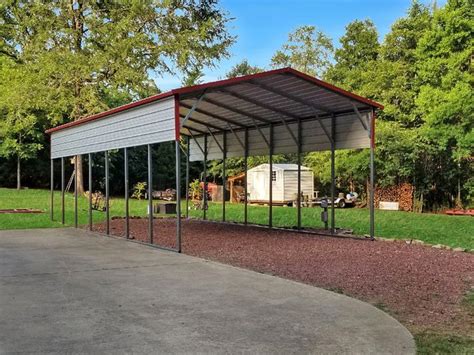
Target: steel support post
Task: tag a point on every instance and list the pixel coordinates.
(372, 177)
(224, 177)
(52, 190)
(150, 196)
(125, 178)
(178, 196)
(333, 174)
(75, 191)
(187, 176)
(270, 186)
(298, 199)
(204, 194)
(90, 190)
(246, 158)
(107, 209)
(63, 215)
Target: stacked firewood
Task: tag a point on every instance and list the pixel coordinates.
(403, 194)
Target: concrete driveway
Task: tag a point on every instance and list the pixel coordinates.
(70, 291)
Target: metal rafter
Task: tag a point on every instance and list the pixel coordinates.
(214, 116)
(258, 103)
(195, 120)
(237, 111)
(291, 97)
(194, 129)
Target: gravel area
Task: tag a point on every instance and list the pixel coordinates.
(421, 286)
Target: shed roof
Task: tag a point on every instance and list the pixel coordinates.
(278, 166)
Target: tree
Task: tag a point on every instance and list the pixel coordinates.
(308, 50)
(19, 130)
(356, 56)
(243, 68)
(444, 72)
(85, 50)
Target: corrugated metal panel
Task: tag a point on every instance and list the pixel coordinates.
(350, 134)
(291, 184)
(152, 123)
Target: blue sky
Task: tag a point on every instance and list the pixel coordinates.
(262, 26)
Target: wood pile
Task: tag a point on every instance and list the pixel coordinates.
(98, 201)
(403, 194)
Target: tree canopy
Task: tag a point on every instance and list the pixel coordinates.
(62, 60)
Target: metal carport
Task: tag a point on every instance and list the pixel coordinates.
(278, 111)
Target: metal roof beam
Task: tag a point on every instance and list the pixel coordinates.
(236, 110)
(202, 123)
(214, 116)
(194, 129)
(290, 96)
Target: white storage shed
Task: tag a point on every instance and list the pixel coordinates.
(284, 181)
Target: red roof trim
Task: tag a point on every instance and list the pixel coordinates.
(219, 83)
(334, 88)
(231, 81)
(177, 120)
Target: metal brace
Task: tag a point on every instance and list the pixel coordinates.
(197, 143)
(193, 108)
(323, 128)
(261, 133)
(289, 129)
(215, 139)
(236, 136)
(359, 116)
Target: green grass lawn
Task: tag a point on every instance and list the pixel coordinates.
(455, 231)
(40, 199)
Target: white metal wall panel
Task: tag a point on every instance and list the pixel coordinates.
(151, 123)
(291, 184)
(285, 188)
(350, 134)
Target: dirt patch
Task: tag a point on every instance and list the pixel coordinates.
(422, 287)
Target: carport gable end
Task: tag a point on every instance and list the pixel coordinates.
(138, 125)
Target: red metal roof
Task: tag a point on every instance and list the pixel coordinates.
(220, 84)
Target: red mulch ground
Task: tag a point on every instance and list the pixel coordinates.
(421, 286)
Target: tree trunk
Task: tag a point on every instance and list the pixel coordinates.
(458, 197)
(18, 173)
(79, 175)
